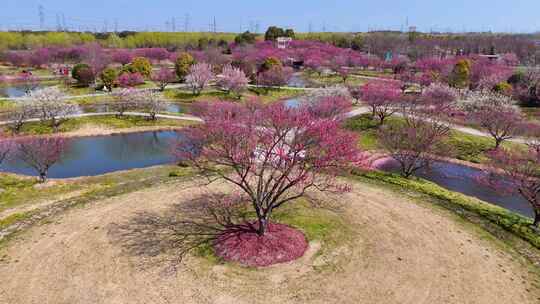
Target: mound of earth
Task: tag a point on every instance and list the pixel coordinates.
(397, 251)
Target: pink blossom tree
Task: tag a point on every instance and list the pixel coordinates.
(382, 97)
(275, 76)
(41, 153)
(129, 80)
(149, 102)
(275, 154)
(520, 174)
(415, 143)
(199, 77)
(233, 80)
(163, 78)
(51, 105)
(125, 100)
(494, 113)
(122, 56)
(6, 147)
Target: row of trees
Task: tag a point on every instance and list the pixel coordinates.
(421, 136)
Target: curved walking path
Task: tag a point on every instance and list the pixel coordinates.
(396, 251)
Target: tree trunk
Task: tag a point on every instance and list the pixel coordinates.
(498, 142)
(42, 177)
(536, 218)
(263, 223)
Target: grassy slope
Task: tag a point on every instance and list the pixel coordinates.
(109, 121)
(465, 147)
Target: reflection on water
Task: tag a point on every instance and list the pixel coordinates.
(13, 91)
(90, 156)
(297, 81)
(460, 178)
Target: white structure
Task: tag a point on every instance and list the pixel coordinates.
(283, 42)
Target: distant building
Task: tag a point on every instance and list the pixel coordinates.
(283, 42)
(491, 57)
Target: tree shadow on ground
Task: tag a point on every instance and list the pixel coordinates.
(168, 237)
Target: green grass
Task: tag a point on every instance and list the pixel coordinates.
(459, 203)
(20, 190)
(188, 96)
(266, 95)
(331, 80)
(110, 121)
(317, 223)
(467, 147)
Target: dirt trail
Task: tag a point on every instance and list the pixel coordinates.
(401, 253)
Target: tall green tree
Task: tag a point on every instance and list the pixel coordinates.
(183, 64)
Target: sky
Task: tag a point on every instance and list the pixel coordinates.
(301, 15)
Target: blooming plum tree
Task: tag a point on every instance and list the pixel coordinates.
(199, 77)
(41, 153)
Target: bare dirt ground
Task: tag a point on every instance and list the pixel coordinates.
(401, 252)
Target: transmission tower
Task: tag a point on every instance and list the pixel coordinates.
(173, 21)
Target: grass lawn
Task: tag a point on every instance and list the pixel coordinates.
(23, 194)
(266, 95)
(109, 121)
(331, 80)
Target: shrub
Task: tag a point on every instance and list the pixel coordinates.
(127, 80)
(108, 77)
(83, 74)
(182, 65)
(142, 66)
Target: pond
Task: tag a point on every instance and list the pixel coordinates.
(104, 108)
(90, 156)
(460, 178)
(297, 81)
(12, 91)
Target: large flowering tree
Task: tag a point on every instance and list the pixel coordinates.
(273, 154)
(382, 97)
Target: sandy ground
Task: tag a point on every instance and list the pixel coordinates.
(400, 252)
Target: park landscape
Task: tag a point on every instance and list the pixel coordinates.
(281, 167)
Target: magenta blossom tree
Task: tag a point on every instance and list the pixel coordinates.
(382, 97)
(122, 56)
(199, 77)
(494, 113)
(41, 153)
(273, 154)
(163, 78)
(233, 80)
(275, 76)
(520, 174)
(6, 147)
(129, 80)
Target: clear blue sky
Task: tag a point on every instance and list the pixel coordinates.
(233, 15)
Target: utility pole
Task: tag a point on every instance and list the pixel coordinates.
(41, 12)
(64, 26)
(58, 24)
(116, 25)
(186, 23)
